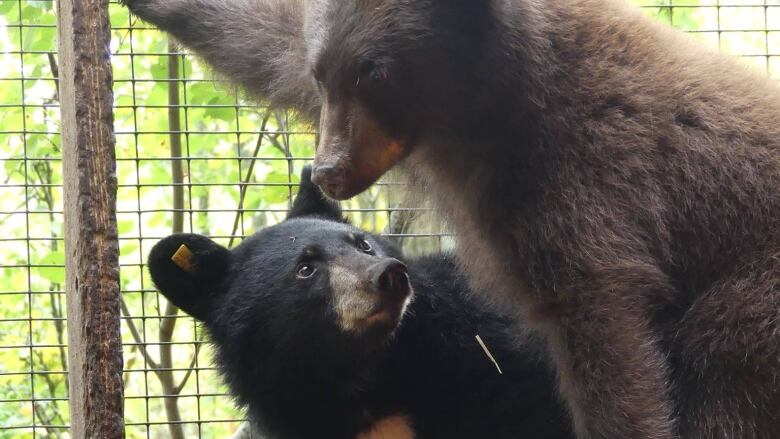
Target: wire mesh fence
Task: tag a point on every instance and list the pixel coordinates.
(191, 156)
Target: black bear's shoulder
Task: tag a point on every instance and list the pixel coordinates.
(442, 290)
(439, 353)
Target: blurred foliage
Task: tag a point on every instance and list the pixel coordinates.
(240, 169)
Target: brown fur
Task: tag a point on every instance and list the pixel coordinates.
(647, 249)
(610, 178)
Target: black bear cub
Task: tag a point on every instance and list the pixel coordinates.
(323, 330)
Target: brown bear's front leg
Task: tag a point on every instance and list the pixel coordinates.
(612, 372)
(726, 353)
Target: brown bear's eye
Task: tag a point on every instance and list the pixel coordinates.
(306, 271)
(364, 246)
(373, 73)
(379, 74)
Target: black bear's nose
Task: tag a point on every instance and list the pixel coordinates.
(390, 277)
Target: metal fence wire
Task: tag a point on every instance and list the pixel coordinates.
(191, 156)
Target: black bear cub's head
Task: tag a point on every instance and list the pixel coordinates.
(297, 289)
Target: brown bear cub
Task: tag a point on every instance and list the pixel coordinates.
(611, 179)
(322, 330)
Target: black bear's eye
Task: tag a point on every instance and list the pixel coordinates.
(306, 271)
(364, 246)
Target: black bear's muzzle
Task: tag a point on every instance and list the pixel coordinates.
(390, 278)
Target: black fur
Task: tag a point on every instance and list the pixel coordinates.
(301, 376)
(311, 202)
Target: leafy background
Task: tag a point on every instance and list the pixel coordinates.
(193, 156)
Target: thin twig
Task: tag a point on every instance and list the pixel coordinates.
(46, 421)
(183, 382)
(137, 336)
(245, 181)
(55, 72)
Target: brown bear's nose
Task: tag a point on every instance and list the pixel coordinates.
(390, 277)
(327, 176)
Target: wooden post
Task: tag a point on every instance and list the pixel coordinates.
(91, 244)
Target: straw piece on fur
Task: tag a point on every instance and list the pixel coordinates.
(487, 352)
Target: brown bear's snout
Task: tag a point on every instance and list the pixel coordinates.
(329, 177)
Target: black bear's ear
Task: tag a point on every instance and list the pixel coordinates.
(186, 269)
(310, 201)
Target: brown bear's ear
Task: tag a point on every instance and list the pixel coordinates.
(187, 269)
(310, 201)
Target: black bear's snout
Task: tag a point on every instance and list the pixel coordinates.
(390, 277)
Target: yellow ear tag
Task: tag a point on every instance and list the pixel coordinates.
(183, 258)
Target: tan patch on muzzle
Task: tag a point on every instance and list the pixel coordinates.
(353, 303)
(355, 142)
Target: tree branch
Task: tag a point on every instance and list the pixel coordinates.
(245, 181)
(137, 336)
(186, 377)
(164, 373)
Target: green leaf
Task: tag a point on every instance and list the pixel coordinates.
(227, 114)
(125, 227)
(129, 249)
(55, 275)
(11, 362)
(13, 167)
(45, 39)
(159, 69)
(278, 193)
(158, 95)
(37, 69)
(199, 93)
(31, 13)
(7, 6)
(118, 15)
